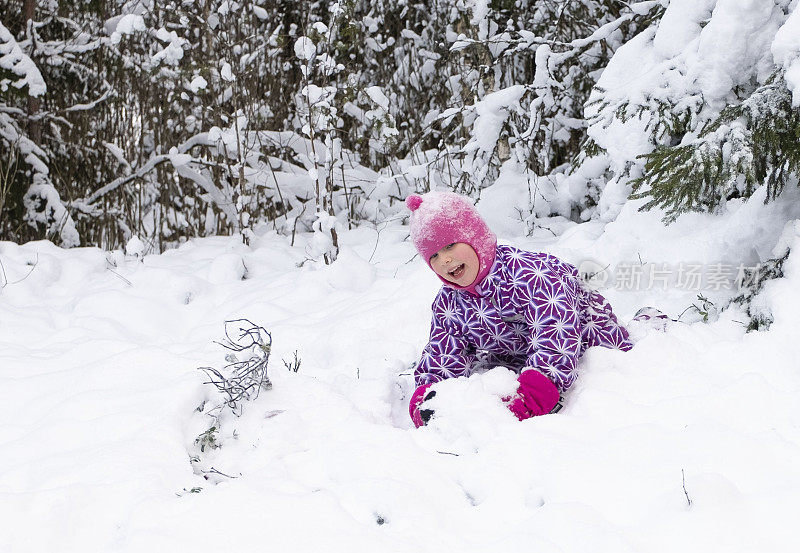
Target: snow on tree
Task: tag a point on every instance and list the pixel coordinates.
(697, 109)
(21, 82)
(177, 119)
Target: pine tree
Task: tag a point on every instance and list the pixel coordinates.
(701, 142)
(753, 143)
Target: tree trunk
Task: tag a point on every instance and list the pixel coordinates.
(16, 183)
(34, 126)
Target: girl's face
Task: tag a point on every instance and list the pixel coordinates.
(456, 263)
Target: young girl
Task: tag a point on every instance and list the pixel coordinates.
(502, 306)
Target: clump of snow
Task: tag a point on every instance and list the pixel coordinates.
(198, 83)
(304, 48)
(172, 53)
(469, 410)
(177, 159)
(226, 72)
(417, 171)
(13, 59)
(126, 25)
(260, 12)
(350, 271)
(734, 46)
(135, 247)
(117, 152)
(511, 195)
(680, 25)
(376, 95)
(228, 267)
(492, 112)
(43, 206)
(627, 77)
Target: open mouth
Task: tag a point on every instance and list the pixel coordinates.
(458, 272)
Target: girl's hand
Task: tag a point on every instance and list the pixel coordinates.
(536, 395)
(420, 416)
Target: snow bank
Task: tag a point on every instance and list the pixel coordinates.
(688, 442)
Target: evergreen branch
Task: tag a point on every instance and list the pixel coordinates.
(747, 145)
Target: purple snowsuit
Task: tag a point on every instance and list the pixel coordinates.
(531, 311)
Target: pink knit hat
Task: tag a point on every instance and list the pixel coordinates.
(442, 218)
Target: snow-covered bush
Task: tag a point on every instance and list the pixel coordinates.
(241, 380)
(697, 109)
(23, 161)
(195, 119)
(748, 145)
(245, 375)
(225, 117)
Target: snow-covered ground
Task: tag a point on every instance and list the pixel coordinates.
(690, 442)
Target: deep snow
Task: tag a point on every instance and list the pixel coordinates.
(98, 374)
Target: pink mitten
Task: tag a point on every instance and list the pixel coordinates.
(536, 395)
(421, 394)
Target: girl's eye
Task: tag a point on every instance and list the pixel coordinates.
(448, 246)
(434, 255)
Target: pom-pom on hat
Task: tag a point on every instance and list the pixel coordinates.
(442, 218)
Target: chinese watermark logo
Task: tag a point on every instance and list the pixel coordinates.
(688, 276)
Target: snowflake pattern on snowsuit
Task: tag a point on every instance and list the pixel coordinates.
(532, 311)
